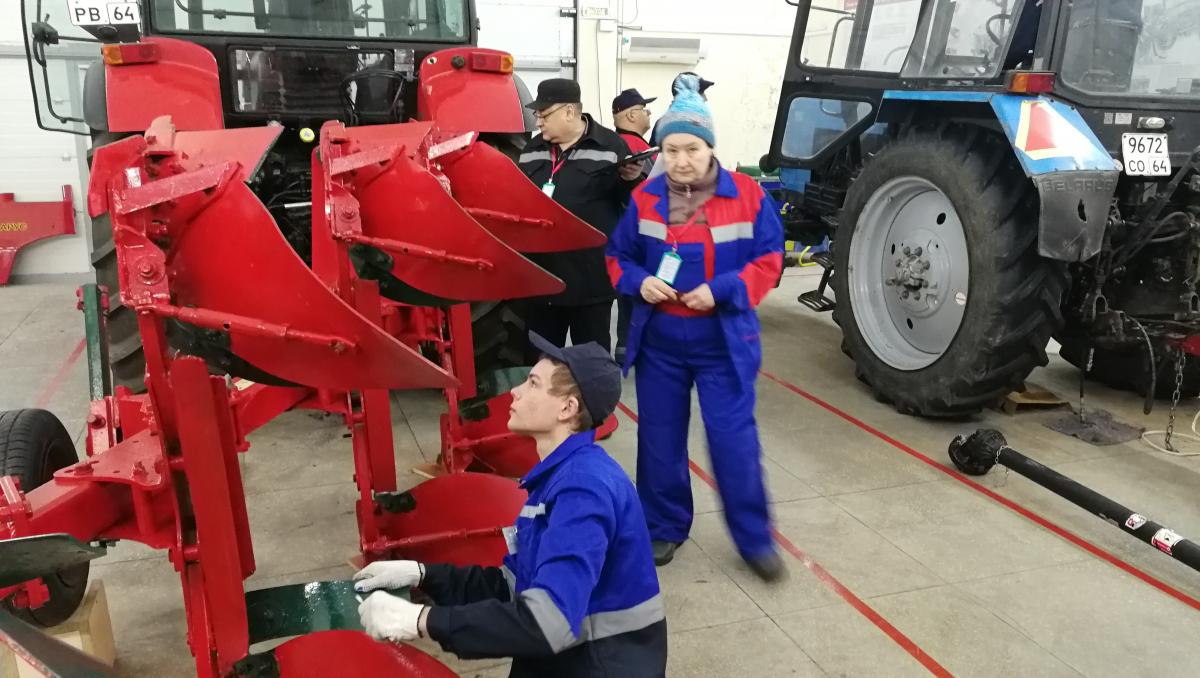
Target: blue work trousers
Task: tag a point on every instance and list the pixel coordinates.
(675, 353)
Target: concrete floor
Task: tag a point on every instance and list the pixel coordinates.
(899, 568)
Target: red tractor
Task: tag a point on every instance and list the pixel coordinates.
(301, 204)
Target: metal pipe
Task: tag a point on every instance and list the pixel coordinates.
(386, 545)
(977, 454)
(508, 217)
(411, 250)
(254, 327)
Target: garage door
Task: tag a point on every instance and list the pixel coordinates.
(540, 34)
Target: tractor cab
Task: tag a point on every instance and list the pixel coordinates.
(897, 122)
(1112, 60)
(216, 64)
(295, 62)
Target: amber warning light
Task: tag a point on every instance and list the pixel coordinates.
(491, 62)
(1026, 82)
(131, 53)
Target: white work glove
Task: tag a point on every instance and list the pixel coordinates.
(389, 574)
(387, 617)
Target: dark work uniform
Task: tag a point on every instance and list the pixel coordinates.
(587, 183)
(577, 596)
(625, 303)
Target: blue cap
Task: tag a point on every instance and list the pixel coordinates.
(630, 98)
(598, 377)
(689, 112)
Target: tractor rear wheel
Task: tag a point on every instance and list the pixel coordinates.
(944, 304)
(126, 359)
(499, 334)
(33, 445)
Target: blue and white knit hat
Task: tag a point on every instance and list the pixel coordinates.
(689, 113)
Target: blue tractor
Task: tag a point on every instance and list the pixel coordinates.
(993, 174)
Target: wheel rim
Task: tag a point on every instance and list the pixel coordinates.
(908, 273)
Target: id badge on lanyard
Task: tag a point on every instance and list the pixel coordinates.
(555, 165)
(668, 267)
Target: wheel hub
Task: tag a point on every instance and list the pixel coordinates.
(910, 264)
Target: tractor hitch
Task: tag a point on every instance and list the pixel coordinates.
(976, 454)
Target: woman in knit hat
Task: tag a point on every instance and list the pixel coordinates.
(698, 248)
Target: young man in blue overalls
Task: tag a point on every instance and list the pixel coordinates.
(577, 596)
(698, 248)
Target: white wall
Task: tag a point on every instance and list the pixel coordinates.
(745, 45)
(34, 164)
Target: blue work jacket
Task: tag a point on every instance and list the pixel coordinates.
(578, 595)
(742, 256)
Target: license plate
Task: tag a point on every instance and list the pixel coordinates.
(1146, 155)
(103, 12)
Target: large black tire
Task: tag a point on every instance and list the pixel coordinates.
(500, 337)
(1014, 296)
(33, 445)
(1125, 369)
(126, 359)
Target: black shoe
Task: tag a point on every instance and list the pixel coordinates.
(663, 551)
(769, 567)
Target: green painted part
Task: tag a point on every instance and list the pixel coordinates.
(26, 558)
(755, 171)
(99, 377)
(50, 656)
(298, 609)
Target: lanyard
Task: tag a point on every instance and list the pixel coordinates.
(690, 222)
(555, 163)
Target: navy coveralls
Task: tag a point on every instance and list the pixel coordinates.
(738, 251)
(577, 596)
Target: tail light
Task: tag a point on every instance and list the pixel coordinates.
(1028, 82)
(491, 62)
(131, 53)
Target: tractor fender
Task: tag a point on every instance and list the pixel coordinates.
(1075, 176)
(457, 95)
(185, 83)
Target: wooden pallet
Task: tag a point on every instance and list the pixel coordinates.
(1033, 397)
(89, 629)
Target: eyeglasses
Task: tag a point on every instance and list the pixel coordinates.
(543, 115)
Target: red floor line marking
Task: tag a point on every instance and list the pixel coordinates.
(1000, 499)
(56, 381)
(832, 582)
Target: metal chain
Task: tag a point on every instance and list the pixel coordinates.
(1082, 377)
(1179, 359)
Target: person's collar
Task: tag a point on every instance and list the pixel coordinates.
(558, 456)
(726, 186)
(622, 130)
(707, 182)
(587, 131)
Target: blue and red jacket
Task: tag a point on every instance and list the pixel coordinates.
(741, 250)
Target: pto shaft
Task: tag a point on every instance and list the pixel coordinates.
(977, 454)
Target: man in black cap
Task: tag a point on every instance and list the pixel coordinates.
(577, 594)
(575, 160)
(631, 118)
